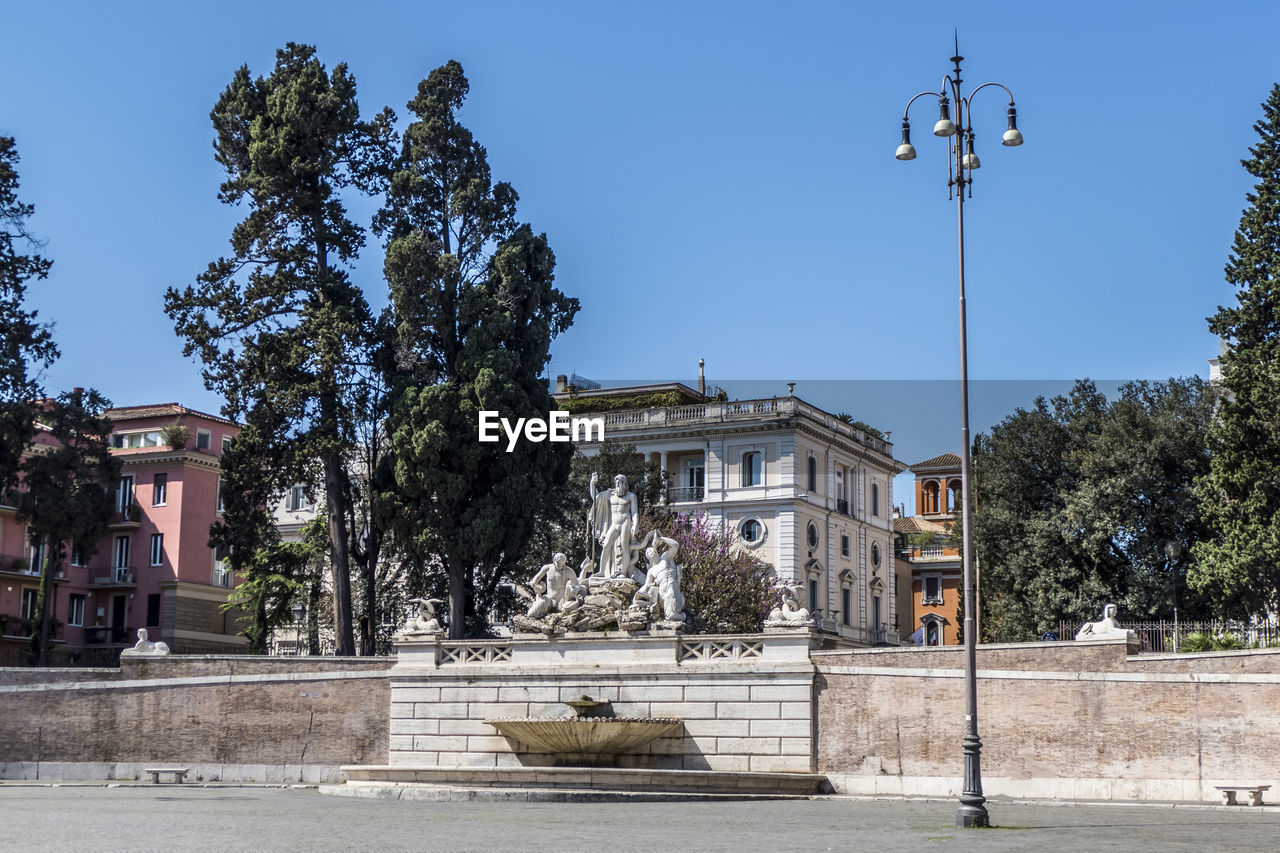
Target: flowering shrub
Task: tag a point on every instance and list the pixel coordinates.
(726, 588)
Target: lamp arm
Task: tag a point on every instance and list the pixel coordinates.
(916, 97)
(969, 99)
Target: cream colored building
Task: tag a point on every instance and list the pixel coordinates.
(804, 491)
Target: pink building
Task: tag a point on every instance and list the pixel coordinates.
(154, 568)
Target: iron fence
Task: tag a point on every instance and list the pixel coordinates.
(1157, 636)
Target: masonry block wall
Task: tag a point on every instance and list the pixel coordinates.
(227, 718)
(746, 703)
(1072, 720)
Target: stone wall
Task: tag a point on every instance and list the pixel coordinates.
(1071, 720)
(746, 702)
(227, 718)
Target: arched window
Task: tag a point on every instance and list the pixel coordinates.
(929, 496)
(751, 473)
(953, 495)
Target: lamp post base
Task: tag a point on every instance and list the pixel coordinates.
(972, 816)
(972, 812)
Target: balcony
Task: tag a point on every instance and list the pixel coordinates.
(126, 518)
(842, 506)
(685, 494)
(19, 568)
(97, 635)
(121, 576)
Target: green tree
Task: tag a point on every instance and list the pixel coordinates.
(67, 498)
(1075, 500)
(26, 345)
(279, 321)
(1239, 566)
(475, 315)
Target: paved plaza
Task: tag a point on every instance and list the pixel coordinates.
(171, 818)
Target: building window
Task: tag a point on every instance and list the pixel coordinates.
(929, 497)
(297, 498)
(226, 443)
(221, 505)
(813, 474)
(203, 439)
(77, 555)
(875, 613)
(35, 563)
(153, 609)
(29, 595)
(75, 610)
(844, 546)
(875, 499)
(221, 573)
(875, 555)
(812, 535)
(813, 596)
(150, 438)
(121, 552)
(932, 633)
(160, 490)
(752, 531)
(846, 606)
(932, 590)
(157, 549)
(124, 493)
(751, 469)
(953, 495)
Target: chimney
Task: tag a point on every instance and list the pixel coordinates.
(702, 378)
(562, 383)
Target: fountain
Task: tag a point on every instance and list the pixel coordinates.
(591, 737)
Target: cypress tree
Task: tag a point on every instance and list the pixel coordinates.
(1239, 567)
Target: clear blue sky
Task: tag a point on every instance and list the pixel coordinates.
(717, 179)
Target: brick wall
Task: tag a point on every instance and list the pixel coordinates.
(1061, 720)
(268, 719)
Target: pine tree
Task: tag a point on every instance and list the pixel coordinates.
(475, 315)
(279, 325)
(26, 345)
(1239, 567)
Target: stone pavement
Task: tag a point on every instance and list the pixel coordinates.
(180, 818)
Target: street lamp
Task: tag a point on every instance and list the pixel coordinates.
(961, 163)
(298, 610)
(1173, 551)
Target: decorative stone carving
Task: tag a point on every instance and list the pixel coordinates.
(612, 522)
(603, 604)
(790, 614)
(661, 587)
(423, 620)
(1106, 628)
(146, 647)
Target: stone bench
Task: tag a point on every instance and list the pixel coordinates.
(178, 773)
(1229, 793)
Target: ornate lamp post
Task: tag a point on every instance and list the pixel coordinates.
(961, 163)
(1173, 550)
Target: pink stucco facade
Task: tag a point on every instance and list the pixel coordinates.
(154, 568)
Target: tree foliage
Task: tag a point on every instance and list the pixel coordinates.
(1076, 499)
(282, 332)
(66, 498)
(475, 313)
(1239, 566)
(26, 345)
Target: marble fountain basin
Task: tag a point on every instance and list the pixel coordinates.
(589, 732)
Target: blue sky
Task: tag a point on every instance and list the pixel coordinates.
(717, 179)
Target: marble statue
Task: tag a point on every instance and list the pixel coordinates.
(790, 612)
(1106, 628)
(558, 589)
(146, 647)
(424, 619)
(612, 521)
(662, 580)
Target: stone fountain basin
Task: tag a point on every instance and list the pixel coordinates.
(587, 735)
